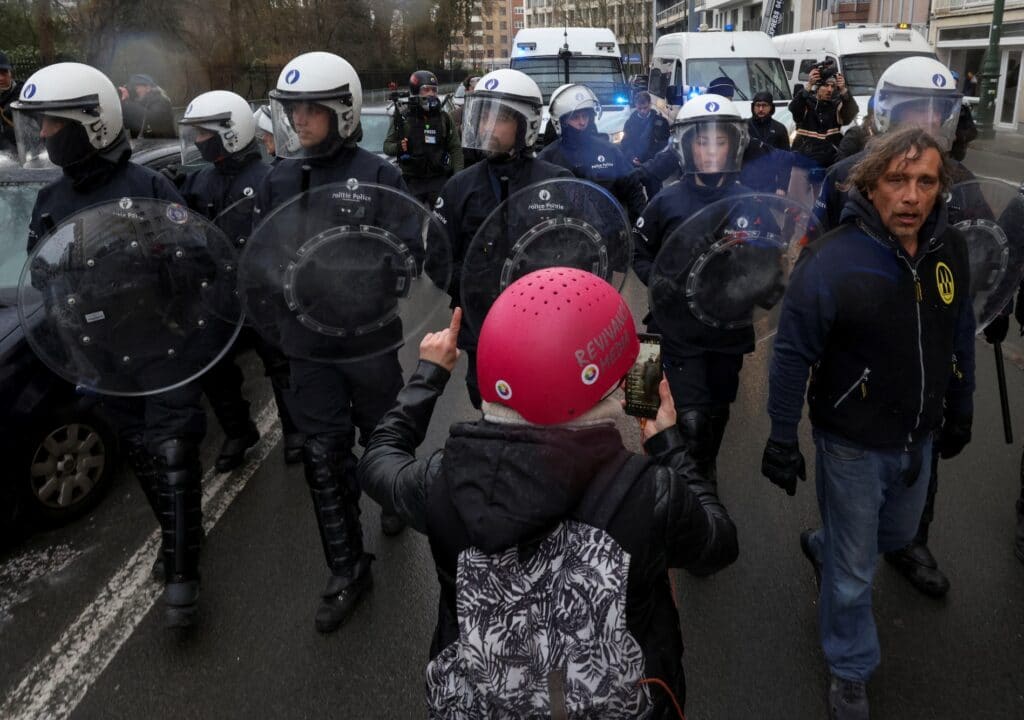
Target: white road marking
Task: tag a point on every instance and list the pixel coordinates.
(18, 573)
(55, 685)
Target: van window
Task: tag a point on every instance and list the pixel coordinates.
(805, 69)
(603, 75)
(677, 74)
(661, 76)
(861, 72)
(751, 75)
(787, 65)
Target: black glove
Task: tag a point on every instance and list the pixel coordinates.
(955, 434)
(174, 174)
(995, 331)
(783, 463)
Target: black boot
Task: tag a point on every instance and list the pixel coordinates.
(232, 452)
(144, 467)
(390, 524)
(223, 387)
(293, 443)
(698, 432)
(719, 420)
(293, 439)
(330, 472)
(915, 562)
(181, 522)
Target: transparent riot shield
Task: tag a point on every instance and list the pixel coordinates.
(990, 214)
(555, 223)
(236, 220)
(725, 269)
(131, 297)
(345, 272)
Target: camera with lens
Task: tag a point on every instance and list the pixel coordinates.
(826, 70)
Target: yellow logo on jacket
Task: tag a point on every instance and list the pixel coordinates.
(944, 281)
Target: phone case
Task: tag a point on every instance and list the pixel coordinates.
(642, 380)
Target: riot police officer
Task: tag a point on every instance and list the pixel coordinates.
(574, 110)
(501, 120)
(315, 108)
(222, 127)
(265, 132)
(424, 139)
(75, 111)
(703, 365)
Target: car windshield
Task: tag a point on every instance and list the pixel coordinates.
(862, 71)
(16, 203)
(751, 75)
(603, 75)
(375, 129)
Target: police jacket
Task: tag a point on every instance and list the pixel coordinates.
(151, 116)
(284, 181)
(669, 209)
(435, 149)
(828, 207)
(109, 175)
(888, 338)
(8, 141)
(215, 187)
(819, 123)
(497, 486)
(589, 156)
(766, 161)
(643, 137)
(469, 198)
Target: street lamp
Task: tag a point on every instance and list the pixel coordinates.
(985, 118)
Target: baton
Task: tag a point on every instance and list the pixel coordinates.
(1004, 400)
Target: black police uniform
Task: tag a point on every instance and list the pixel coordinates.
(588, 155)
(434, 152)
(329, 401)
(465, 202)
(702, 366)
(169, 426)
(209, 191)
(8, 141)
(644, 137)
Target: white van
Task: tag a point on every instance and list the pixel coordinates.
(861, 54)
(593, 59)
(684, 64)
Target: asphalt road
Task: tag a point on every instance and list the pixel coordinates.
(80, 635)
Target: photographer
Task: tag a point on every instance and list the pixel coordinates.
(820, 109)
(424, 140)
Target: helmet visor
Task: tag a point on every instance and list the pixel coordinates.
(493, 124)
(28, 129)
(302, 128)
(936, 114)
(711, 146)
(190, 136)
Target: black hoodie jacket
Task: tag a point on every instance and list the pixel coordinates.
(890, 337)
(499, 486)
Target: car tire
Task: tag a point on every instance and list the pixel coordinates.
(68, 464)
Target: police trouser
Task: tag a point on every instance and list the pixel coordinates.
(161, 436)
(223, 385)
(328, 402)
(426, 189)
(703, 385)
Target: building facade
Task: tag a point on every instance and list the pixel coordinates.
(493, 26)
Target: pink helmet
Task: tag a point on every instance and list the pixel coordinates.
(554, 343)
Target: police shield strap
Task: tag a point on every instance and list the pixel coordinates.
(555, 223)
(990, 214)
(727, 266)
(343, 272)
(131, 297)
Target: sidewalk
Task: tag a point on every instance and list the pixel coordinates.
(1006, 142)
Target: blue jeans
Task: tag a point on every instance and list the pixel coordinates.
(867, 508)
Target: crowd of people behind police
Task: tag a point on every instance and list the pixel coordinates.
(892, 354)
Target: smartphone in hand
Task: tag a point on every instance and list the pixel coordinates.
(642, 380)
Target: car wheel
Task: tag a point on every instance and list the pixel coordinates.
(70, 462)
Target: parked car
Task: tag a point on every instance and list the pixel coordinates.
(376, 119)
(60, 451)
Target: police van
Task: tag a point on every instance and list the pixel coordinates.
(589, 56)
(685, 63)
(860, 53)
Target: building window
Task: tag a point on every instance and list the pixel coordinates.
(503, 25)
(504, 39)
(519, 10)
(518, 24)
(489, 25)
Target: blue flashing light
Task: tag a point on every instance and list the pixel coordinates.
(730, 27)
(693, 91)
(621, 100)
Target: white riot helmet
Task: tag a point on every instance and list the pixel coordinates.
(567, 99)
(709, 135)
(70, 91)
(264, 123)
(920, 92)
(227, 121)
(309, 86)
(502, 95)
